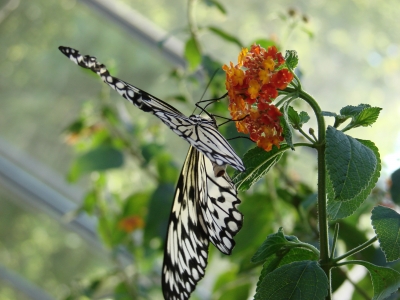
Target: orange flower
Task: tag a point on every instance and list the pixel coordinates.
(131, 223)
(252, 85)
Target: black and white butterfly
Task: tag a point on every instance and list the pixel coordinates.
(205, 201)
(204, 210)
(201, 133)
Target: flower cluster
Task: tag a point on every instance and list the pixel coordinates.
(252, 85)
(130, 223)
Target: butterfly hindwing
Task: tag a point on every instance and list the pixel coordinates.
(220, 213)
(201, 133)
(204, 209)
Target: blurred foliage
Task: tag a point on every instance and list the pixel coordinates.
(133, 219)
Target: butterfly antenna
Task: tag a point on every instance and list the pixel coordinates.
(229, 119)
(240, 137)
(203, 109)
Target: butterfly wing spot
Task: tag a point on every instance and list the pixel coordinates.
(233, 226)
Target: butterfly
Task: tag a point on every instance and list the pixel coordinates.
(204, 209)
(200, 132)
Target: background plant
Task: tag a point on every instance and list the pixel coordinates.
(26, 104)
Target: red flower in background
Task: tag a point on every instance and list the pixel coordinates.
(130, 223)
(252, 85)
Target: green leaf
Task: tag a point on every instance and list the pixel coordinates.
(192, 54)
(166, 168)
(337, 208)
(271, 245)
(386, 223)
(264, 43)
(218, 5)
(159, 209)
(257, 162)
(135, 204)
(110, 114)
(350, 164)
(282, 258)
(362, 115)
(298, 280)
(76, 127)
(395, 186)
(385, 281)
(295, 119)
(99, 159)
(277, 243)
(226, 36)
(291, 59)
(104, 228)
(89, 202)
(287, 129)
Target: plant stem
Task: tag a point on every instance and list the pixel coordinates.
(322, 213)
(355, 250)
(306, 135)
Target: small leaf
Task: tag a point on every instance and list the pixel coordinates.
(352, 111)
(76, 127)
(258, 162)
(362, 115)
(192, 54)
(159, 208)
(271, 245)
(385, 281)
(366, 118)
(226, 36)
(395, 186)
(350, 164)
(276, 243)
(218, 5)
(287, 129)
(291, 59)
(104, 228)
(264, 43)
(297, 120)
(99, 159)
(298, 280)
(337, 208)
(89, 202)
(386, 223)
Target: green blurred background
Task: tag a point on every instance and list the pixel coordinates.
(349, 54)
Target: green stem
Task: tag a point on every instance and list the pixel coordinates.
(304, 145)
(306, 135)
(322, 212)
(355, 250)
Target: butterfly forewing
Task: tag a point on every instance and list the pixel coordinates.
(201, 133)
(204, 209)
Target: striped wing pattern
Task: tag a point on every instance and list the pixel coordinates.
(201, 133)
(204, 209)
